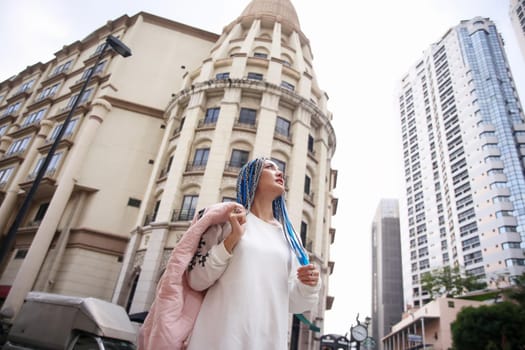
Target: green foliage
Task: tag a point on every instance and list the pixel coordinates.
(517, 292)
(495, 327)
(449, 282)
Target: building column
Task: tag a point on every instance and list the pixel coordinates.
(36, 255)
(11, 195)
(219, 149)
(300, 131)
(148, 279)
(266, 125)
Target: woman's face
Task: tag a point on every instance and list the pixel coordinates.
(271, 181)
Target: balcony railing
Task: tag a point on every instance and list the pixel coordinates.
(183, 214)
(195, 167)
(233, 167)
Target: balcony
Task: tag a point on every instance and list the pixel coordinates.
(12, 156)
(233, 167)
(203, 124)
(46, 187)
(193, 167)
(65, 141)
(42, 100)
(183, 215)
(19, 95)
(309, 197)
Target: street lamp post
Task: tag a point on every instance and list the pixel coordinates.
(120, 48)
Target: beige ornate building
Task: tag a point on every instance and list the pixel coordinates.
(158, 136)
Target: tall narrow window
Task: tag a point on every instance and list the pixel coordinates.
(201, 157)
(41, 212)
(212, 114)
(304, 231)
(155, 211)
(282, 127)
(247, 116)
(4, 175)
(189, 203)
(310, 144)
(239, 158)
(307, 182)
(280, 164)
(52, 166)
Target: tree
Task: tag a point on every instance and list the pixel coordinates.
(517, 291)
(489, 327)
(449, 282)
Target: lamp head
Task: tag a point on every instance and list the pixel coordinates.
(118, 46)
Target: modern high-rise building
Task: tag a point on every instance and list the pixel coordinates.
(157, 136)
(463, 136)
(517, 17)
(387, 270)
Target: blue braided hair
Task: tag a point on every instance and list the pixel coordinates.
(247, 182)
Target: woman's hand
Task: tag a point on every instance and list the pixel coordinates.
(308, 274)
(237, 221)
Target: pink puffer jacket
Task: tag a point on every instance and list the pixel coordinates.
(173, 313)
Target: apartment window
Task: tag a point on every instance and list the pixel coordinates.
(62, 68)
(212, 114)
(41, 212)
(514, 262)
(3, 129)
(134, 202)
(98, 69)
(189, 203)
(84, 98)
(304, 231)
(510, 245)
(508, 228)
(21, 253)
(201, 157)
(239, 158)
(34, 117)
(12, 108)
(287, 85)
(282, 127)
(5, 174)
(260, 55)
(69, 130)
(307, 182)
(49, 91)
(52, 166)
(155, 211)
(310, 144)
(228, 199)
(247, 116)
(221, 76)
(18, 146)
(255, 76)
(26, 86)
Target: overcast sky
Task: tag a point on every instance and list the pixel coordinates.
(361, 49)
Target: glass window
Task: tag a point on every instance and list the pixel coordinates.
(287, 85)
(310, 143)
(255, 76)
(18, 146)
(247, 116)
(201, 157)
(239, 158)
(260, 55)
(189, 203)
(3, 129)
(5, 174)
(307, 183)
(34, 117)
(52, 166)
(220, 76)
(212, 114)
(85, 342)
(69, 130)
(282, 127)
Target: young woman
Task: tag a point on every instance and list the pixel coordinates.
(254, 269)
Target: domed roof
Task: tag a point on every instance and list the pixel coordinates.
(281, 9)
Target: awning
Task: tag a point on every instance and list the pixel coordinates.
(310, 325)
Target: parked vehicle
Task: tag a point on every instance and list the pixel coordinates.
(59, 322)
